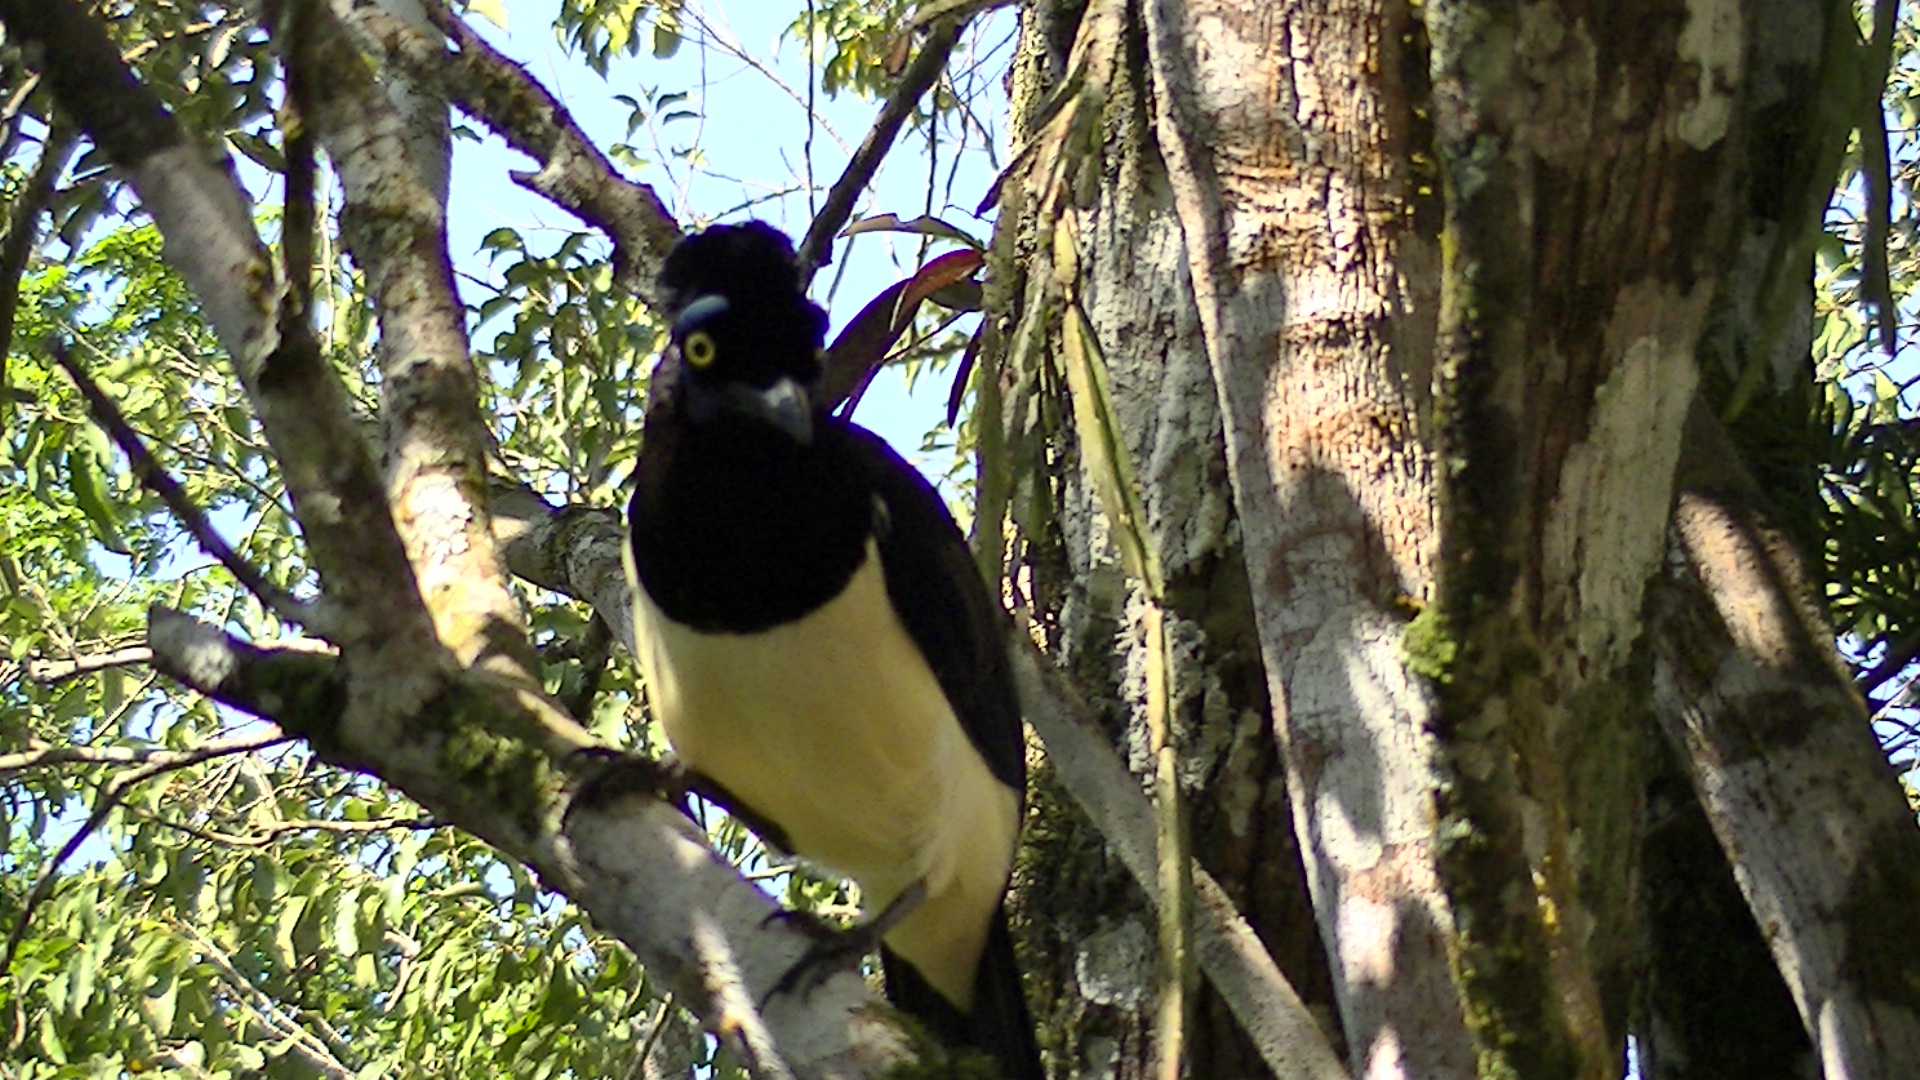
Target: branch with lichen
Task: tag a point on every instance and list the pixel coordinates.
(504, 764)
(502, 95)
(434, 436)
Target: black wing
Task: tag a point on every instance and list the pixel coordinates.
(935, 586)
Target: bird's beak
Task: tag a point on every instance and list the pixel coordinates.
(786, 405)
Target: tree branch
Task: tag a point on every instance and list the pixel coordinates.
(435, 439)
(327, 1053)
(53, 671)
(816, 248)
(266, 834)
(156, 479)
(504, 765)
(160, 756)
(1775, 739)
(23, 233)
(573, 173)
(1272, 1014)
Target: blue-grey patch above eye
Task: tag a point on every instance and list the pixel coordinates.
(698, 311)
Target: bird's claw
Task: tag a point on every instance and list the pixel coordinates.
(606, 775)
(831, 951)
(833, 948)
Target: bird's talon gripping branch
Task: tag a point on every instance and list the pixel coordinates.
(833, 948)
(606, 775)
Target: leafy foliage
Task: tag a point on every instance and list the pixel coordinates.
(1867, 429)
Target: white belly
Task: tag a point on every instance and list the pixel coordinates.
(834, 729)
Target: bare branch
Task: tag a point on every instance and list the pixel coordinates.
(816, 248)
(326, 1052)
(267, 834)
(435, 439)
(156, 479)
(573, 173)
(927, 13)
(1774, 737)
(159, 756)
(638, 866)
(53, 671)
(573, 550)
(23, 231)
(1272, 1014)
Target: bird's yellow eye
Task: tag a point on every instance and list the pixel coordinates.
(699, 349)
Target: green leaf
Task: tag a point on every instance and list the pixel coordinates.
(346, 935)
(666, 36)
(159, 1002)
(87, 482)
(285, 922)
(1103, 449)
(81, 984)
(50, 1043)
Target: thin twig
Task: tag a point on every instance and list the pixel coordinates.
(111, 793)
(53, 671)
(932, 10)
(806, 150)
(157, 480)
(654, 1031)
(722, 37)
(327, 1052)
(920, 75)
(23, 232)
(267, 834)
(158, 756)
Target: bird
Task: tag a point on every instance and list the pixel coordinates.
(816, 641)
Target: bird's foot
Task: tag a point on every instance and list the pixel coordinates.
(832, 948)
(605, 775)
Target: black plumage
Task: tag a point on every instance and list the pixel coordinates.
(817, 640)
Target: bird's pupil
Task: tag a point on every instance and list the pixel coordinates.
(699, 349)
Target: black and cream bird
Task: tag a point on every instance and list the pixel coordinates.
(817, 643)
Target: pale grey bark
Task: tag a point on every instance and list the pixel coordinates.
(1774, 739)
(1330, 533)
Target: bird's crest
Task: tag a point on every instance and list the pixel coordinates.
(735, 298)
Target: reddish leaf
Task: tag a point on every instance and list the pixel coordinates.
(862, 346)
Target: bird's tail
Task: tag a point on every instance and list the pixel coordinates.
(999, 1024)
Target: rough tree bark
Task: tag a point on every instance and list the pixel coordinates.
(1423, 289)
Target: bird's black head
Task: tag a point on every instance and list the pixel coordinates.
(748, 338)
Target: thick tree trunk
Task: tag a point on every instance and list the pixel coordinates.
(1399, 313)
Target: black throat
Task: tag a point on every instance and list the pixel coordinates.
(736, 528)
